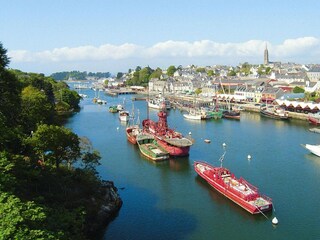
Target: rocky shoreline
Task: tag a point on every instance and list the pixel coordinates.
(108, 210)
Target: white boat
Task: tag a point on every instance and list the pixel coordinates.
(159, 103)
(120, 107)
(315, 149)
(124, 116)
(193, 115)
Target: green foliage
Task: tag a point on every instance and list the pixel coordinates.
(245, 68)
(198, 91)
(55, 144)
(40, 198)
(71, 97)
(201, 69)
(171, 70)
(119, 75)
(297, 89)
(4, 60)
(10, 90)
(35, 108)
(232, 73)
(156, 74)
(140, 77)
(22, 220)
(210, 73)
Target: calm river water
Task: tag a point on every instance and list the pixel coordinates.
(169, 201)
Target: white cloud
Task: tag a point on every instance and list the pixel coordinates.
(303, 50)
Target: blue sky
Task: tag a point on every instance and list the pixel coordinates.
(107, 35)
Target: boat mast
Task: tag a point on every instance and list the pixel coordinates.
(222, 158)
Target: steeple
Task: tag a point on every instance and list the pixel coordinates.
(266, 56)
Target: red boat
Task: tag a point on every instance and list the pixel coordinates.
(239, 191)
(314, 118)
(172, 141)
(132, 133)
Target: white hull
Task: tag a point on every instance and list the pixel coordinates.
(192, 117)
(315, 149)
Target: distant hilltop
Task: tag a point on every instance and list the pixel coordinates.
(77, 75)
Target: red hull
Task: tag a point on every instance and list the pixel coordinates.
(172, 141)
(131, 133)
(314, 121)
(173, 150)
(237, 190)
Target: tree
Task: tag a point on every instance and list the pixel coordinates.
(119, 75)
(4, 60)
(297, 89)
(22, 220)
(210, 73)
(201, 69)
(198, 91)
(35, 108)
(71, 97)
(56, 144)
(171, 70)
(10, 90)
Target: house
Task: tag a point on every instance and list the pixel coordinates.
(314, 74)
(269, 94)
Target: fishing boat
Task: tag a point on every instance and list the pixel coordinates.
(124, 116)
(274, 112)
(157, 103)
(239, 190)
(315, 149)
(193, 115)
(231, 114)
(133, 130)
(113, 109)
(314, 118)
(149, 147)
(172, 141)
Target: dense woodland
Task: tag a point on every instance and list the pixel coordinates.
(42, 196)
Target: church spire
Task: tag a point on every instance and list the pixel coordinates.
(266, 56)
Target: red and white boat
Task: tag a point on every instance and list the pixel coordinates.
(173, 142)
(239, 190)
(314, 118)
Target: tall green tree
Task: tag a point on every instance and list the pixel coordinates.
(56, 144)
(35, 108)
(4, 59)
(171, 70)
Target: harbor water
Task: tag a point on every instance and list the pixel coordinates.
(168, 200)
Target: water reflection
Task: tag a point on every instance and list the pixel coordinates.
(313, 158)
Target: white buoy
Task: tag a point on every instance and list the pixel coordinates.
(117, 128)
(189, 133)
(249, 156)
(275, 221)
(224, 144)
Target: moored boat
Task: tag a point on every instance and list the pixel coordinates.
(274, 112)
(315, 149)
(132, 131)
(193, 115)
(158, 103)
(231, 114)
(239, 190)
(149, 148)
(113, 109)
(314, 118)
(124, 116)
(172, 141)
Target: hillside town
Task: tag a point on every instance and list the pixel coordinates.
(293, 86)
